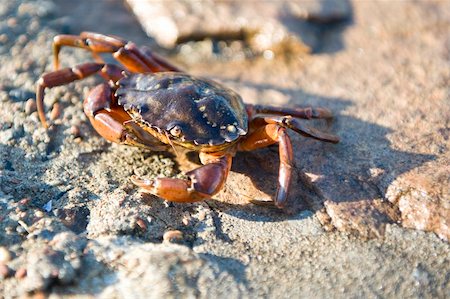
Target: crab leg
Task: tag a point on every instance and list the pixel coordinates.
(305, 113)
(295, 125)
(127, 53)
(203, 182)
(268, 135)
(68, 75)
(65, 76)
(113, 123)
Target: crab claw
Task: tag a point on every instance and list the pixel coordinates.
(203, 182)
(145, 184)
(171, 189)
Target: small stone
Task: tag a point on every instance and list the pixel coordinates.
(56, 111)
(39, 295)
(20, 273)
(30, 106)
(201, 215)
(5, 272)
(75, 131)
(24, 201)
(39, 214)
(186, 220)
(4, 38)
(20, 230)
(173, 236)
(11, 22)
(5, 255)
(141, 223)
(20, 94)
(22, 39)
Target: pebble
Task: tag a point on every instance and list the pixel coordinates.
(4, 38)
(75, 131)
(185, 220)
(30, 106)
(24, 201)
(20, 273)
(39, 295)
(56, 111)
(173, 236)
(5, 255)
(39, 214)
(11, 22)
(19, 94)
(141, 223)
(201, 215)
(4, 271)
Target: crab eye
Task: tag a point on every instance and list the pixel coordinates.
(176, 131)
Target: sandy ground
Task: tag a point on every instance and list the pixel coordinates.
(368, 219)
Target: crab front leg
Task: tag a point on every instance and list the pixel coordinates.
(203, 182)
(265, 136)
(113, 123)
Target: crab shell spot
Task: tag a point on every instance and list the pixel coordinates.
(231, 128)
(229, 135)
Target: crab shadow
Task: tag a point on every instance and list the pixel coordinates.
(340, 172)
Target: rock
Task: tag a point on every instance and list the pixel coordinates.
(361, 217)
(30, 106)
(20, 95)
(56, 112)
(322, 11)
(5, 255)
(422, 197)
(278, 25)
(168, 271)
(5, 271)
(173, 236)
(20, 273)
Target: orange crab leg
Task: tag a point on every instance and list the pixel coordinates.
(68, 75)
(268, 135)
(296, 125)
(93, 45)
(132, 57)
(113, 123)
(203, 182)
(132, 61)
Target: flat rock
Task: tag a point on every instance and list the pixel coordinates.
(277, 25)
(422, 197)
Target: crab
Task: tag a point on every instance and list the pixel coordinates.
(148, 102)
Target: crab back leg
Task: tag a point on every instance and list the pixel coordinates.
(297, 126)
(265, 136)
(204, 181)
(304, 113)
(133, 58)
(68, 75)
